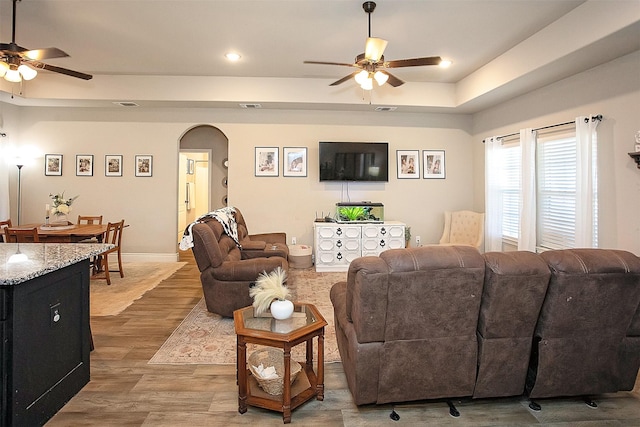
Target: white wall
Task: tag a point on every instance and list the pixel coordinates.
(612, 90)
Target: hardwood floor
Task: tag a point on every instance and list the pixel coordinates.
(125, 391)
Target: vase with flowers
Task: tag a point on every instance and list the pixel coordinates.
(270, 292)
(61, 208)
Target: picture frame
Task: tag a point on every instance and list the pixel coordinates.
(191, 166)
(294, 161)
(53, 164)
(84, 164)
(433, 163)
(144, 165)
(408, 164)
(266, 161)
(113, 165)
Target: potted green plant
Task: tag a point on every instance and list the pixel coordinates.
(407, 237)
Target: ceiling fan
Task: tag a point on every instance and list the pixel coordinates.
(371, 64)
(18, 63)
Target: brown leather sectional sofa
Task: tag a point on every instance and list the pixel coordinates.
(226, 271)
(440, 322)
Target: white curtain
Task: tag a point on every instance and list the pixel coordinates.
(527, 232)
(5, 211)
(586, 141)
(493, 195)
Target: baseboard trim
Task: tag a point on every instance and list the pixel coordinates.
(150, 257)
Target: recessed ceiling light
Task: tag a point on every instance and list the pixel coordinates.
(445, 63)
(232, 56)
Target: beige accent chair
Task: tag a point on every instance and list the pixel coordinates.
(463, 228)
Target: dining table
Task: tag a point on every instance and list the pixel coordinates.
(71, 233)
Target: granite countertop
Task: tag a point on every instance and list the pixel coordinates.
(41, 258)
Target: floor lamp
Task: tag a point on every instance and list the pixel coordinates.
(19, 191)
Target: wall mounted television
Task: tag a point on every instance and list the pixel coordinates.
(354, 161)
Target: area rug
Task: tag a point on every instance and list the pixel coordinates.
(209, 339)
(139, 278)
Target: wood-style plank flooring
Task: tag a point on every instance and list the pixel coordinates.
(125, 391)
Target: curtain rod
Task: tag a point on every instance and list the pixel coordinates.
(586, 120)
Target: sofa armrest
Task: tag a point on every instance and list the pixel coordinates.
(247, 269)
(270, 237)
(366, 298)
(252, 245)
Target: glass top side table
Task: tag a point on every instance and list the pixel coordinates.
(305, 324)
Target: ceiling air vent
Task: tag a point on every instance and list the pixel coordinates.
(386, 108)
(250, 106)
(126, 104)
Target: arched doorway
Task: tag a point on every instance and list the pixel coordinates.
(202, 176)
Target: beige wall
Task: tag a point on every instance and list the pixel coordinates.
(290, 204)
(278, 203)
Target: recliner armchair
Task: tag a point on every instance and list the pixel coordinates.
(226, 272)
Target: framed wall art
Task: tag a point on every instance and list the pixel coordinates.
(112, 165)
(294, 160)
(84, 164)
(191, 166)
(53, 164)
(144, 165)
(434, 164)
(408, 164)
(266, 161)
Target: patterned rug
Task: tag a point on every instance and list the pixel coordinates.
(209, 339)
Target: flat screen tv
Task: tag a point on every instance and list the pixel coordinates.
(354, 161)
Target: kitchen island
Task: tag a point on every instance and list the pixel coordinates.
(44, 328)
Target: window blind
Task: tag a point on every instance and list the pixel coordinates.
(556, 182)
(511, 190)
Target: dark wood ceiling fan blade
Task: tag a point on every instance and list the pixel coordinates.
(414, 62)
(65, 71)
(12, 48)
(344, 79)
(46, 53)
(343, 64)
(393, 80)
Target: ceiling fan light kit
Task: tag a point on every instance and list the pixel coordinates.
(18, 63)
(372, 63)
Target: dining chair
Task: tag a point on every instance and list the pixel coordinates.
(89, 219)
(21, 235)
(3, 225)
(113, 235)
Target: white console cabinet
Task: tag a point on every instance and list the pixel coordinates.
(337, 244)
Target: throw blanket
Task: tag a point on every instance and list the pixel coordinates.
(224, 216)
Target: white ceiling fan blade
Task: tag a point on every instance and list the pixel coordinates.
(374, 48)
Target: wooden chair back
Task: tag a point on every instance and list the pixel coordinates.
(3, 225)
(113, 234)
(89, 219)
(21, 235)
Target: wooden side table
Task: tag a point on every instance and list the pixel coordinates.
(305, 324)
